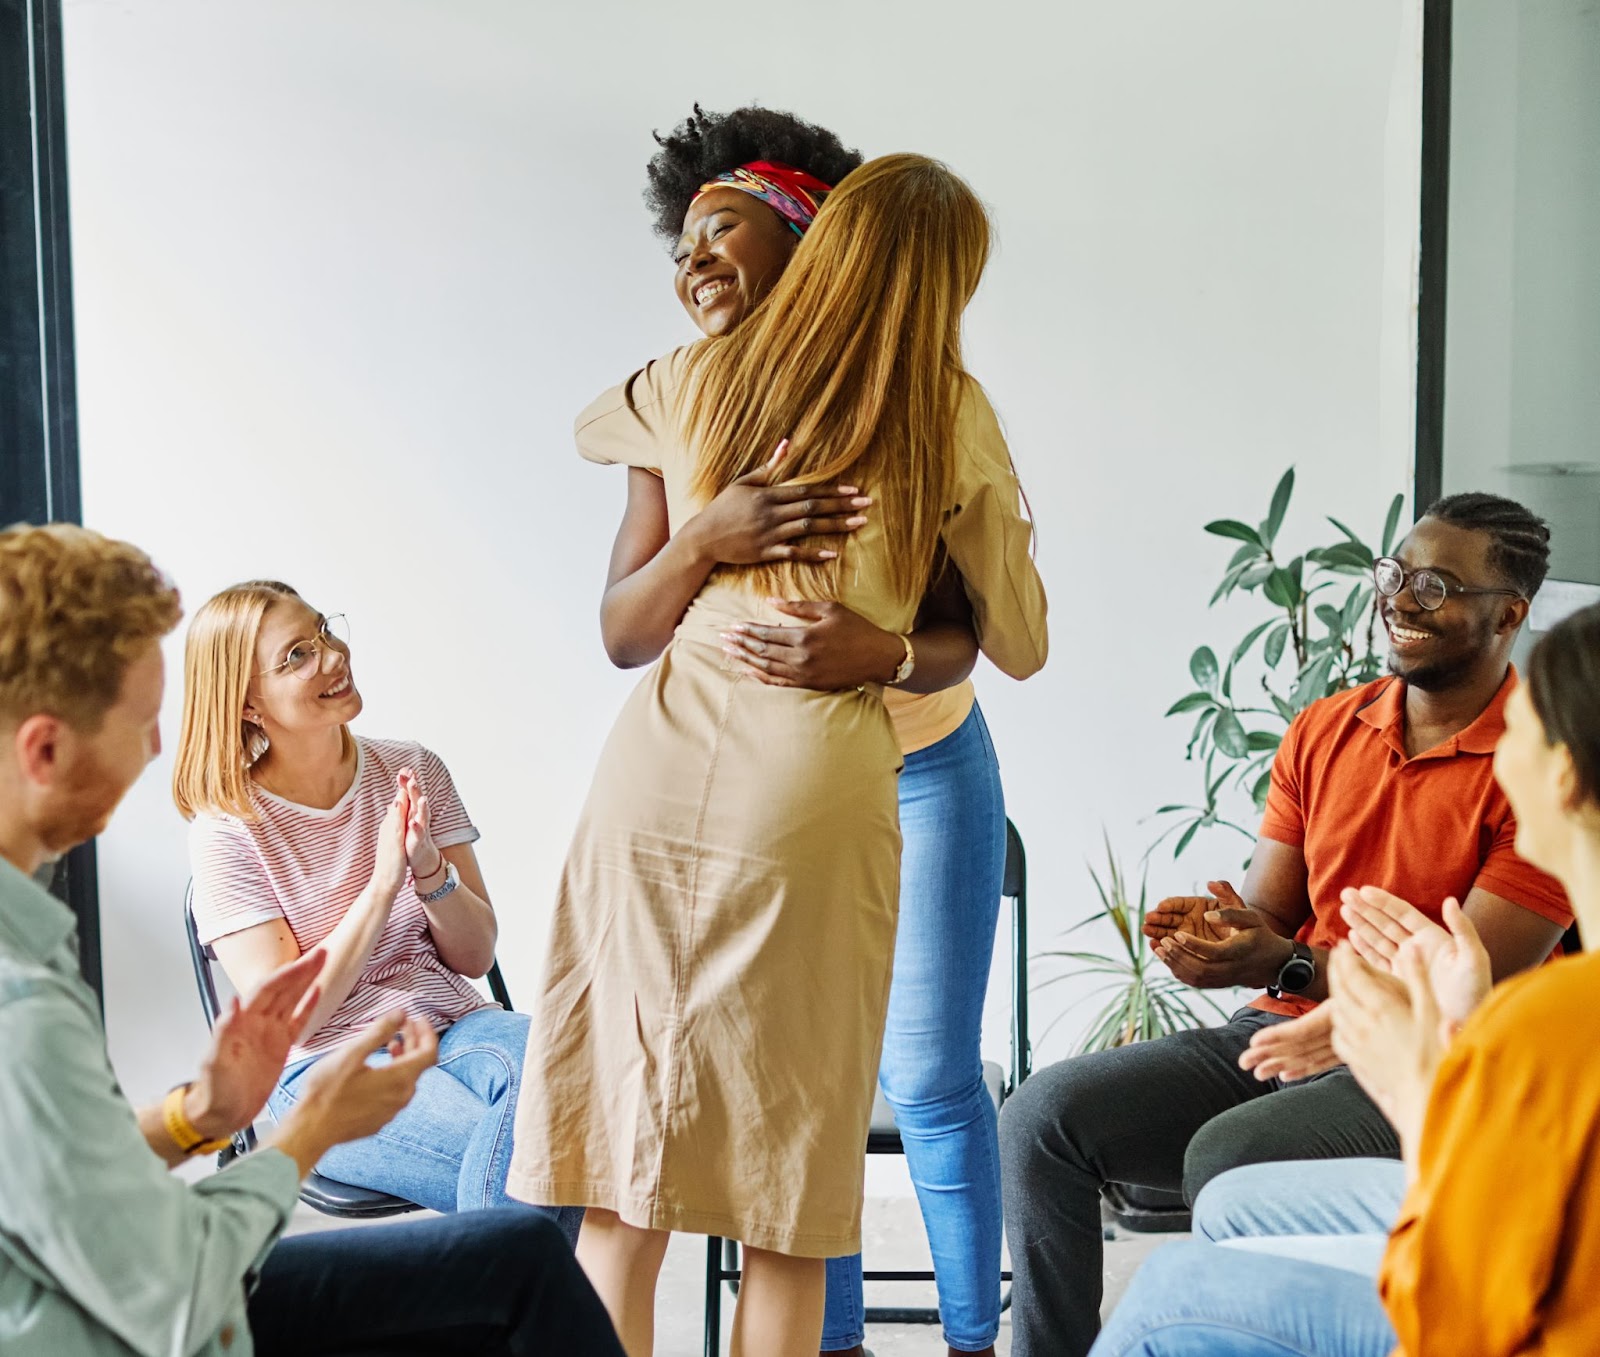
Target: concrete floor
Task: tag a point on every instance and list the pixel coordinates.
(892, 1233)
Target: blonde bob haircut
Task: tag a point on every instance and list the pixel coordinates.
(217, 747)
(855, 358)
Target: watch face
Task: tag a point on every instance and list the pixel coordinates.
(1297, 974)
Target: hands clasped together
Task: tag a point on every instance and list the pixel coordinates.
(1400, 988)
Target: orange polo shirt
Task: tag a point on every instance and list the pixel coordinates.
(1364, 814)
(1496, 1249)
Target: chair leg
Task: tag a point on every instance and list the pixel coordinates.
(713, 1343)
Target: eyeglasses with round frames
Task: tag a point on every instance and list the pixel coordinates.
(334, 631)
(1428, 588)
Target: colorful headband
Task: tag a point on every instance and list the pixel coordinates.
(792, 193)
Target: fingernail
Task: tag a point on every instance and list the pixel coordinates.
(849, 489)
(827, 555)
(861, 502)
(856, 521)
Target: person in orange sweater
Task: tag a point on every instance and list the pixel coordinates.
(1498, 1237)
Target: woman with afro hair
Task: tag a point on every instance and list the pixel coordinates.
(714, 207)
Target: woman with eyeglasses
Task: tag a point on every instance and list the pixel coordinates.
(305, 836)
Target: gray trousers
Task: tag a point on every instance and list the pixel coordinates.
(1172, 1113)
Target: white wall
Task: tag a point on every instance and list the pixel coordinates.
(1522, 402)
(345, 270)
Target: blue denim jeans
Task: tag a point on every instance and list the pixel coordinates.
(1197, 1299)
(450, 1147)
(953, 825)
(1333, 1211)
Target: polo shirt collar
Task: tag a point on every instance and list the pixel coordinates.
(32, 921)
(1386, 714)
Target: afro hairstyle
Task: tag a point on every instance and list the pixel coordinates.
(705, 145)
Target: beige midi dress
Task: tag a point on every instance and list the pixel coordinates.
(706, 1045)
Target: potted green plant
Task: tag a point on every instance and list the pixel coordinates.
(1139, 997)
(1332, 638)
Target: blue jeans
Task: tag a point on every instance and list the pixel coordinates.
(1196, 1299)
(501, 1282)
(1333, 1211)
(953, 826)
(450, 1147)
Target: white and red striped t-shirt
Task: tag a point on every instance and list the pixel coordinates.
(308, 866)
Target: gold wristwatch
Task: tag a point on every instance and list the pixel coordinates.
(906, 665)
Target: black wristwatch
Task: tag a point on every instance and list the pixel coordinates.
(1297, 973)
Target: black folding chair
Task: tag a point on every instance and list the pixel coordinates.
(327, 1195)
(883, 1137)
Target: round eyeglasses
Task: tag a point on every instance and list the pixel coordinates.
(1428, 588)
(334, 631)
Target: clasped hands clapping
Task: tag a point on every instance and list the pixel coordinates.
(1400, 988)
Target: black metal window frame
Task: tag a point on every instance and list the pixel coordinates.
(38, 395)
(1433, 251)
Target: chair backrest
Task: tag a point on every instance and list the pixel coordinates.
(1014, 886)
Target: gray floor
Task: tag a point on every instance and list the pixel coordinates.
(892, 1232)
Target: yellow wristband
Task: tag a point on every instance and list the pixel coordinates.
(184, 1135)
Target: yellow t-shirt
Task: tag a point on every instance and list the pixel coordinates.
(923, 719)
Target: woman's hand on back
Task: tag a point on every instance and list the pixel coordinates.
(754, 521)
(829, 648)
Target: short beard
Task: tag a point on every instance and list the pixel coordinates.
(1433, 678)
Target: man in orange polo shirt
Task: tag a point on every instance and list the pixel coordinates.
(1390, 784)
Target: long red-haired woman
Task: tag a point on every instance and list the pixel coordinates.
(732, 195)
(720, 960)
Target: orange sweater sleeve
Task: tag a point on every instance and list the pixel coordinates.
(1473, 1255)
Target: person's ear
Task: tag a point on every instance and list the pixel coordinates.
(1515, 614)
(38, 743)
(1569, 790)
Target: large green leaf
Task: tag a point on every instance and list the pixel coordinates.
(1184, 839)
(1331, 618)
(1280, 503)
(1282, 589)
(1258, 793)
(1203, 668)
(1230, 737)
(1313, 682)
(1272, 652)
(1193, 702)
(1248, 552)
(1250, 638)
(1262, 740)
(1255, 574)
(1231, 527)
(1230, 581)
(1355, 605)
(1346, 531)
(1391, 523)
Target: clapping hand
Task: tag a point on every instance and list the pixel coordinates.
(1211, 942)
(423, 855)
(1296, 1049)
(1454, 956)
(249, 1046)
(1389, 1031)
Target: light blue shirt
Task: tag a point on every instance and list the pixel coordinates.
(102, 1250)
